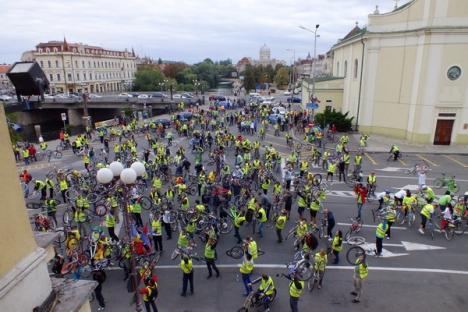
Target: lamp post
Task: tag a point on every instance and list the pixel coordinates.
(315, 53)
(196, 84)
(116, 173)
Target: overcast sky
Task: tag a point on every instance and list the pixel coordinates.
(184, 30)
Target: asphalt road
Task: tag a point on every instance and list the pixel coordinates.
(411, 277)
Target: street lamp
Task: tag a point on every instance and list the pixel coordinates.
(293, 76)
(315, 53)
(196, 84)
(126, 177)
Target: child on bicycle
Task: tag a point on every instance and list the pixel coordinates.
(447, 217)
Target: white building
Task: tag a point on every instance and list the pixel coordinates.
(76, 67)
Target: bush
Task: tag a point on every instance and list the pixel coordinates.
(341, 121)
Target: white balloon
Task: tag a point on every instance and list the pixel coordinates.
(128, 176)
(116, 168)
(139, 168)
(104, 175)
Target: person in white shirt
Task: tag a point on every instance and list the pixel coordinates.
(399, 196)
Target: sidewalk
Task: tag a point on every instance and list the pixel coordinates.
(379, 144)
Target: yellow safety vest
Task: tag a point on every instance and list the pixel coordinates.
(110, 221)
(246, 267)
(293, 291)
(280, 222)
(186, 267)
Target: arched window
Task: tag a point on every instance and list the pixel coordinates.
(338, 69)
(355, 68)
(345, 68)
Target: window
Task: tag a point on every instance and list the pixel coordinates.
(42, 64)
(58, 77)
(69, 76)
(89, 64)
(355, 68)
(94, 64)
(84, 76)
(51, 77)
(48, 63)
(345, 68)
(83, 64)
(338, 69)
(77, 76)
(57, 64)
(76, 64)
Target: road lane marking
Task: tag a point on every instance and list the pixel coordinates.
(456, 161)
(371, 159)
(331, 267)
(427, 160)
(372, 226)
(402, 162)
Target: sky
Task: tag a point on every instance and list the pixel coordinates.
(183, 30)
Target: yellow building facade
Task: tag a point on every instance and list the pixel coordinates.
(406, 74)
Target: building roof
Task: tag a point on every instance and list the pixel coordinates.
(64, 46)
(356, 30)
(4, 68)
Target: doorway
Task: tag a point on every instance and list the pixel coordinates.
(443, 132)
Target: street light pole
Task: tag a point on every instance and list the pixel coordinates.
(315, 53)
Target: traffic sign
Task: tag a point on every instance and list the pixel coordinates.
(64, 116)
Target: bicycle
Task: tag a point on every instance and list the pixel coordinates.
(314, 280)
(257, 300)
(300, 267)
(419, 167)
(355, 227)
(238, 251)
(358, 248)
(448, 182)
(410, 217)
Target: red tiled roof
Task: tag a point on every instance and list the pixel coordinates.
(4, 68)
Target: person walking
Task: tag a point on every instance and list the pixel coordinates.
(360, 273)
(320, 263)
(100, 277)
(262, 219)
(238, 221)
(361, 193)
(187, 277)
(167, 223)
(337, 246)
(110, 225)
(210, 257)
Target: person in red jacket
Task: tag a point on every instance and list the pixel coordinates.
(361, 193)
(150, 292)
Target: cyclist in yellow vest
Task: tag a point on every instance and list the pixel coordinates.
(210, 256)
(183, 241)
(296, 288)
(331, 171)
(156, 229)
(380, 232)
(246, 269)
(63, 185)
(279, 225)
(110, 225)
(238, 221)
(426, 214)
(337, 246)
(187, 277)
(320, 263)
(262, 219)
(266, 288)
(360, 273)
(252, 247)
(150, 292)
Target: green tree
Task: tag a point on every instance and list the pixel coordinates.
(171, 70)
(282, 77)
(249, 78)
(331, 116)
(147, 79)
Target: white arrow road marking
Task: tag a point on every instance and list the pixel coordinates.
(385, 253)
(372, 226)
(416, 246)
(411, 187)
(392, 169)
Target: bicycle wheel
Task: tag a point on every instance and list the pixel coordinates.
(67, 217)
(303, 272)
(348, 235)
(145, 202)
(290, 233)
(235, 252)
(353, 254)
(317, 179)
(100, 210)
(175, 254)
(58, 155)
(312, 283)
(225, 226)
(449, 233)
(60, 238)
(356, 240)
(411, 219)
(438, 183)
(92, 197)
(459, 227)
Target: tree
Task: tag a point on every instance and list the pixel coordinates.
(171, 70)
(249, 78)
(331, 116)
(147, 79)
(282, 76)
(160, 61)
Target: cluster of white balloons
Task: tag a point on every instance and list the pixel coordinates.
(116, 169)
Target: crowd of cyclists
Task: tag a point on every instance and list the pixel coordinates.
(210, 173)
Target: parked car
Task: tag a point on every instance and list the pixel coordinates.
(294, 100)
(279, 110)
(184, 116)
(158, 95)
(163, 121)
(94, 96)
(287, 93)
(124, 95)
(177, 96)
(144, 96)
(5, 98)
(273, 118)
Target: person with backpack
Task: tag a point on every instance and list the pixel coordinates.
(99, 276)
